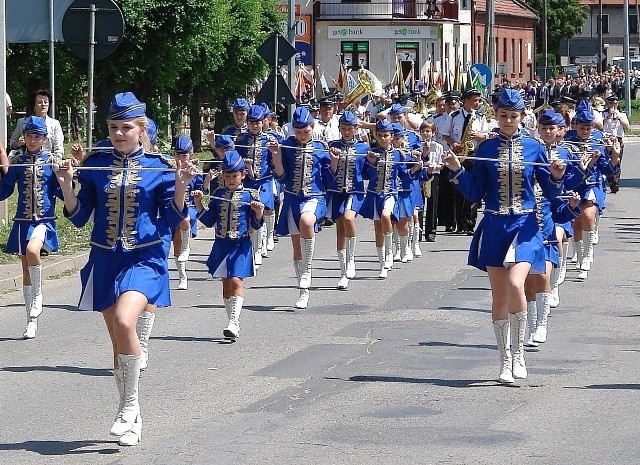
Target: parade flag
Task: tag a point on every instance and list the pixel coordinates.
(341, 83)
(457, 80)
(324, 84)
(351, 82)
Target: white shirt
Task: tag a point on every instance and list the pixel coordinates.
(435, 154)
(443, 123)
(478, 125)
(326, 131)
(614, 125)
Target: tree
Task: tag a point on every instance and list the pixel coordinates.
(564, 20)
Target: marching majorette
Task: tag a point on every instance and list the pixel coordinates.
(34, 224)
(507, 242)
(127, 266)
(384, 166)
(592, 193)
(240, 108)
(346, 197)
(304, 167)
(233, 210)
(252, 145)
(189, 227)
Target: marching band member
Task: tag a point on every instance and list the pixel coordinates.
(239, 107)
(127, 266)
(467, 124)
(507, 243)
(432, 153)
(34, 224)
(303, 165)
(384, 165)
(189, 226)
(591, 191)
(615, 123)
(233, 211)
(346, 197)
(325, 127)
(253, 147)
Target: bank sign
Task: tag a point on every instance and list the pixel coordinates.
(383, 32)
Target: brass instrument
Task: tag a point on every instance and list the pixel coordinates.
(486, 109)
(466, 141)
(368, 84)
(545, 104)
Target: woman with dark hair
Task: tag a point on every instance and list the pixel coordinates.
(39, 106)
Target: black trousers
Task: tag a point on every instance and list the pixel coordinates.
(466, 212)
(431, 207)
(446, 208)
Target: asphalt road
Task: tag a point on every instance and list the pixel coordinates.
(395, 371)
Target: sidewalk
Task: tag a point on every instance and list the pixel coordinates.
(52, 265)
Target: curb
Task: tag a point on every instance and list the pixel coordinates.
(50, 268)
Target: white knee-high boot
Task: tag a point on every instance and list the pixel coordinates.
(403, 248)
(577, 245)
(532, 320)
(183, 281)
(542, 314)
(388, 254)
(342, 260)
(518, 322)
(303, 298)
(409, 245)
(383, 268)
(563, 263)
(501, 328)
(144, 325)
(307, 257)
(185, 249)
(587, 240)
(270, 222)
(35, 272)
(351, 257)
(232, 331)
(128, 424)
(554, 297)
(32, 323)
(256, 239)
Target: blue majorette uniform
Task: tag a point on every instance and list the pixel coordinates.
(254, 148)
(306, 172)
(407, 199)
(508, 232)
(232, 252)
(126, 242)
(37, 191)
(348, 192)
(382, 191)
(239, 104)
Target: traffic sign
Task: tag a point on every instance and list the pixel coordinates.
(267, 91)
(586, 60)
(282, 53)
(483, 72)
(109, 28)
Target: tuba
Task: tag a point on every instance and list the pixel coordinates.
(368, 84)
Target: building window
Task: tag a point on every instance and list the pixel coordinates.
(464, 5)
(479, 53)
(633, 24)
(465, 58)
(520, 56)
(605, 24)
(513, 56)
(355, 55)
(504, 49)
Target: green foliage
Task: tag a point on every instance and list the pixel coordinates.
(564, 20)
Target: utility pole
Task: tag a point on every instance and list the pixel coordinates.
(600, 40)
(627, 61)
(3, 91)
(545, 32)
(291, 37)
(489, 37)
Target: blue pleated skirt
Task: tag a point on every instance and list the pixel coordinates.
(339, 202)
(373, 205)
(496, 234)
(292, 208)
(108, 274)
(416, 194)
(231, 258)
(405, 205)
(21, 233)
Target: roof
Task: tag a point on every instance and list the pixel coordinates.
(511, 8)
(604, 2)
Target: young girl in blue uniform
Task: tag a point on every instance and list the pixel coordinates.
(252, 145)
(304, 167)
(507, 243)
(346, 197)
(384, 166)
(34, 224)
(189, 226)
(234, 211)
(127, 266)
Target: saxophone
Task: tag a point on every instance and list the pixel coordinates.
(466, 141)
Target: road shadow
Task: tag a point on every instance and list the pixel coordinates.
(629, 182)
(614, 386)
(468, 309)
(268, 308)
(456, 383)
(217, 340)
(61, 447)
(85, 371)
(6, 339)
(452, 344)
